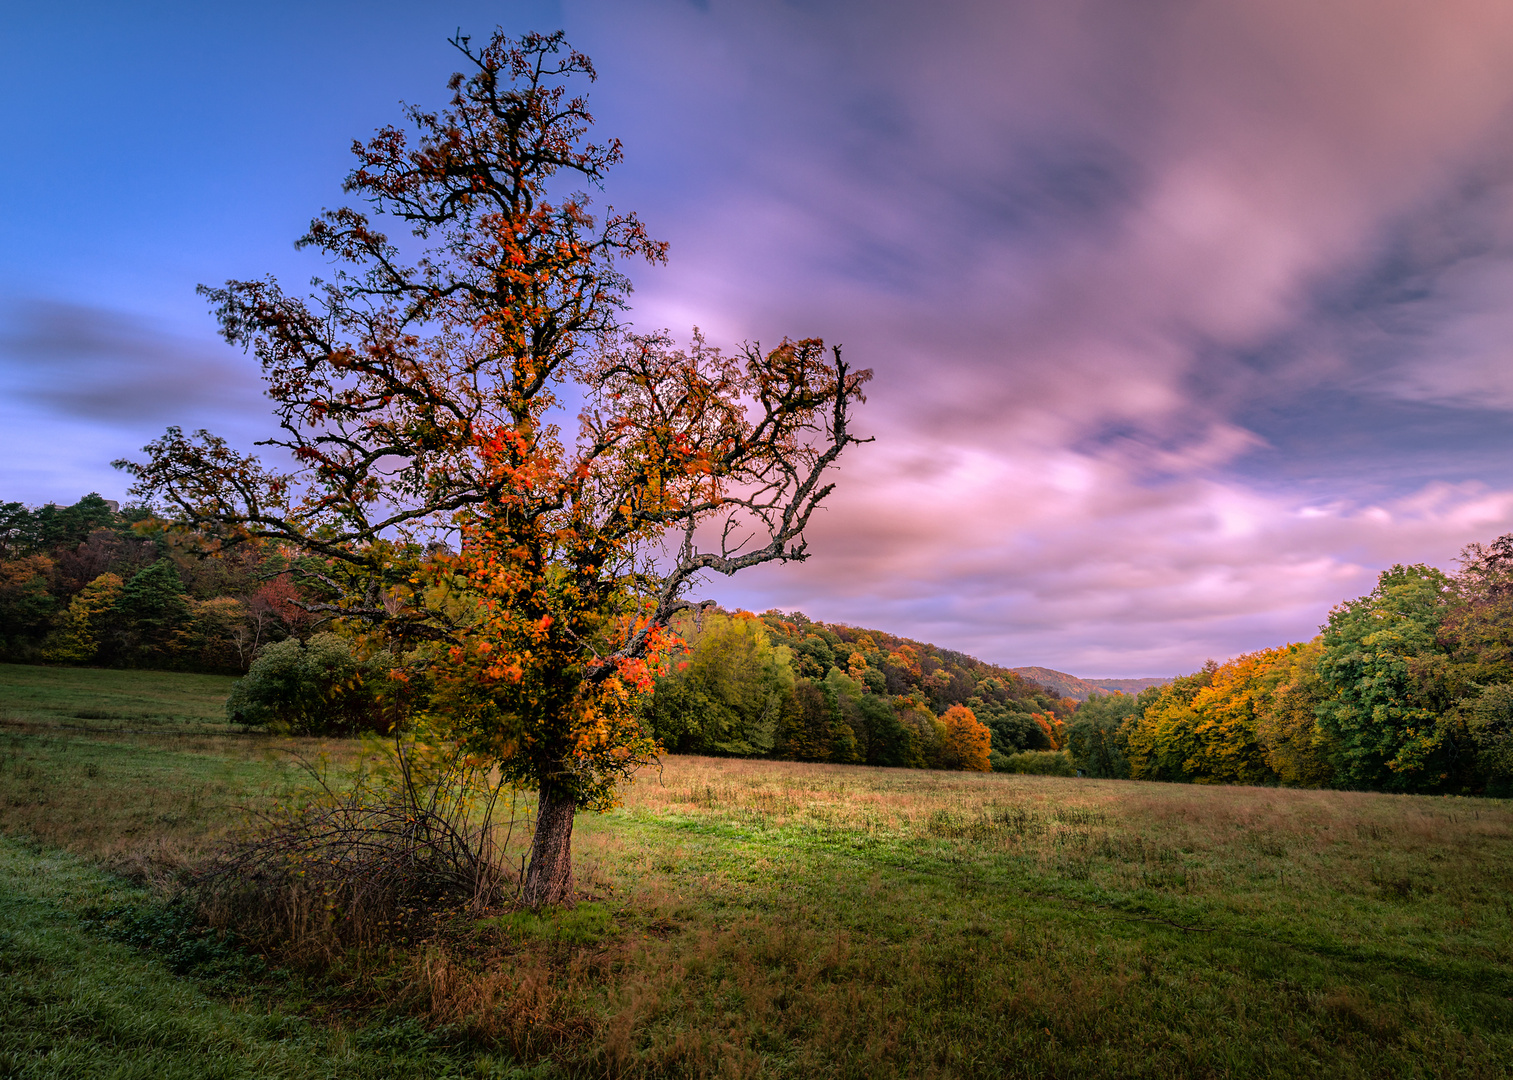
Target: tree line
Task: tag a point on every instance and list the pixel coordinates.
(783, 685)
(87, 584)
(1406, 689)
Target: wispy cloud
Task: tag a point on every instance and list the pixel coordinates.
(1187, 318)
(98, 366)
(81, 386)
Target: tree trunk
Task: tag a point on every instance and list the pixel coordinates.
(549, 879)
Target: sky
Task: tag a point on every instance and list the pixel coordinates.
(1187, 318)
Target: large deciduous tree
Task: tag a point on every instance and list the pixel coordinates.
(420, 392)
(968, 741)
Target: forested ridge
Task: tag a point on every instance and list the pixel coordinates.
(88, 585)
(1059, 682)
(784, 685)
(1408, 688)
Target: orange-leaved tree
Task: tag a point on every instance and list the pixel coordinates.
(967, 742)
(420, 395)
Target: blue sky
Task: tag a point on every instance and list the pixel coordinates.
(1187, 319)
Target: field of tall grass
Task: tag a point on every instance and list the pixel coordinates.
(750, 918)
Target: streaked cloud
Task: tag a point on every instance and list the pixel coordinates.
(81, 386)
(105, 367)
(1187, 318)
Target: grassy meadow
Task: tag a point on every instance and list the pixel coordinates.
(749, 918)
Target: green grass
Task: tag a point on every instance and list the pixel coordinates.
(74, 1003)
(839, 922)
(139, 767)
(589, 923)
(113, 798)
(780, 919)
(100, 699)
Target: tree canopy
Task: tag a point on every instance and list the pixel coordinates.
(1408, 688)
(419, 396)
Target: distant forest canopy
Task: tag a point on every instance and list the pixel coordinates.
(781, 684)
(1408, 688)
(87, 584)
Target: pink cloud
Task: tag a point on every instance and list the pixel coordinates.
(1062, 233)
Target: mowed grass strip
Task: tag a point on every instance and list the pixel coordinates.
(779, 919)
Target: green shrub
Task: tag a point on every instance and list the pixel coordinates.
(1035, 762)
(314, 688)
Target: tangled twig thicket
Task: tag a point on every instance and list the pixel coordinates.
(370, 859)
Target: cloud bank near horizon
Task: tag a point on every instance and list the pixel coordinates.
(1187, 319)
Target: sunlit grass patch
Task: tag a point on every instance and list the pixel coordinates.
(589, 923)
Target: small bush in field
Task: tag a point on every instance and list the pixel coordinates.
(315, 688)
(1036, 763)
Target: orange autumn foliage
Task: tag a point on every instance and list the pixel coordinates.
(967, 741)
(419, 402)
(1052, 726)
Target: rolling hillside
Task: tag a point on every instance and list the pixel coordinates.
(1082, 689)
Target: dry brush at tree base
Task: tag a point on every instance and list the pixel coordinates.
(759, 918)
(419, 401)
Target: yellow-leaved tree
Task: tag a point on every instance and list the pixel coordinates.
(967, 741)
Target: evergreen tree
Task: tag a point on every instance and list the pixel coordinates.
(152, 613)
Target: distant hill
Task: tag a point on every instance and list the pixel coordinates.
(1082, 689)
(944, 677)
